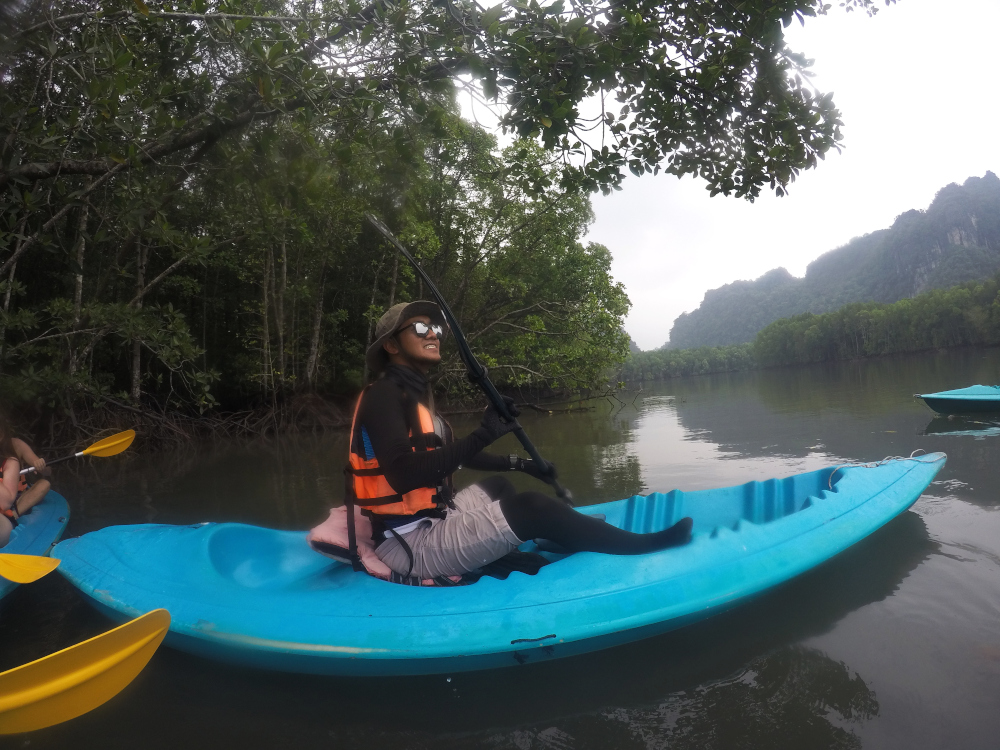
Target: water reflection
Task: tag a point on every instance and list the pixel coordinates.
(794, 697)
(963, 427)
(777, 422)
(595, 450)
(908, 613)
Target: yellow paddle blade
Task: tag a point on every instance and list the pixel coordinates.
(71, 682)
(110, 446)
(25, 568)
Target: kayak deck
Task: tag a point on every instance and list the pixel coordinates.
(264, 598)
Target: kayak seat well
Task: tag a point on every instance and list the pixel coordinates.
(256, 558)
(754, 502)
(253, 557)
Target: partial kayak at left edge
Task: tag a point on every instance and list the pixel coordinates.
(37, 532)
(81, 677)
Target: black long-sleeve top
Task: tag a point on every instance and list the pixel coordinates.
(382, 415)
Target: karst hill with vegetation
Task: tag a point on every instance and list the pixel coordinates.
(956, 239)
(966, 314)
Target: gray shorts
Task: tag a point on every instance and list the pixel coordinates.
(471, 536)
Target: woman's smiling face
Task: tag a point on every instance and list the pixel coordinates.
(407, 348)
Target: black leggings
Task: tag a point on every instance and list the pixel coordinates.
(532, 515)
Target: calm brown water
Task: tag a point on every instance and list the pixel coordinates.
(894, 644)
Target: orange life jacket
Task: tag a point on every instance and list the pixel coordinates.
(367, 486)
(22, 484)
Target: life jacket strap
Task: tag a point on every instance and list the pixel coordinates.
(406, 549)
(352, 536)
(385, 500)
(364, 472)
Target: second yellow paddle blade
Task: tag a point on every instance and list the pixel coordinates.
(25, 568)
(111, 446)
(71, 682)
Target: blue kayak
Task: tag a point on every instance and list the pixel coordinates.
(36, 532)
(264, 598)
(975, 398)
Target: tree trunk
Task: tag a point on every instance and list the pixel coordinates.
(371, 322)
(265, 325)
(204, 321)
(81, 246)
(312, 364)
(395, 275)
(8, 293)
(279, 312)
(6, 309)
(140, 281)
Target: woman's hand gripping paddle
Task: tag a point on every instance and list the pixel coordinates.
(71, 682)
(477, 373)
(109, 446)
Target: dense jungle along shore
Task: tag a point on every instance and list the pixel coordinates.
(960, 317)
(965, 315)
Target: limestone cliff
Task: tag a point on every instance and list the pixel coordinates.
(956, 239)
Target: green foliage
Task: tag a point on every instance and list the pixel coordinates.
(182, 185)
(962, 315)
(956, 239)
(709, 89)
(675, 363)
(251, 273)
(540, 305)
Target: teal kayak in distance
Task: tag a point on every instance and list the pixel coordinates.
(263, 598)
(36, 532)
(971, 400)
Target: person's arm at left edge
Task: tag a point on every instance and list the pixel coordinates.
(27, 456)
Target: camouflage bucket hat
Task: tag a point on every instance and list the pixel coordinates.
(376, 357)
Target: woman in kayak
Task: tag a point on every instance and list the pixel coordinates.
(16, 498)
(403, 456)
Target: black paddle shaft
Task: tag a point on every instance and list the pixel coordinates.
(477, 373)
(53, 462)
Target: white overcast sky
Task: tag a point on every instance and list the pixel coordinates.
(918, 89)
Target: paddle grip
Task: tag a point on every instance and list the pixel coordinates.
(49, 463)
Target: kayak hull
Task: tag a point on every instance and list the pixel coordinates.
(37, 532)
(976, 399)
(263, 598)
(274, 657)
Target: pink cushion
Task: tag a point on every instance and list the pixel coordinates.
(334, 531)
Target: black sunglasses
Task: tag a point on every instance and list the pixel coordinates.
(422, 329)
